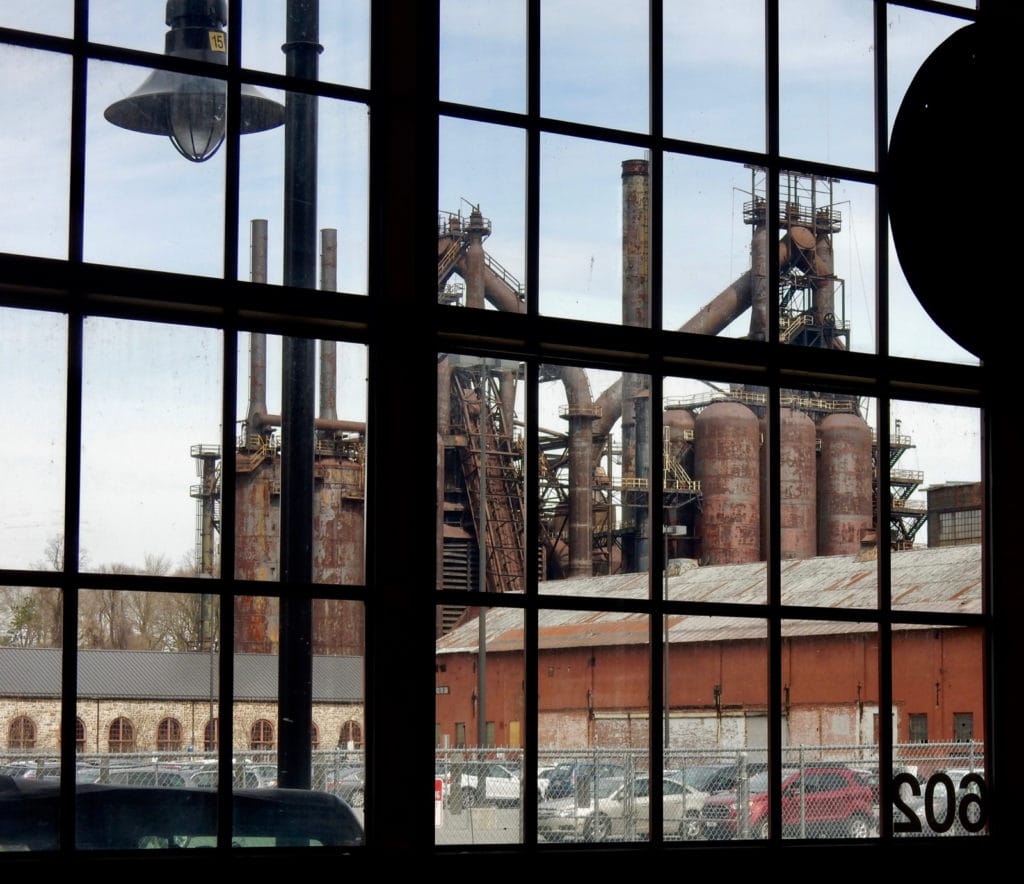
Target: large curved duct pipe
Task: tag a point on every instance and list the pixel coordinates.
(580, 414)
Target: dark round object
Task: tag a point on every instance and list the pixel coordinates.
(949, 155)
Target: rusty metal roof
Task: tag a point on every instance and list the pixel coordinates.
(938, 580)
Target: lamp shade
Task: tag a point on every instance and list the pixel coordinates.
(191, 111)
(188, 109)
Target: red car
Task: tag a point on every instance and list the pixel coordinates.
(821, 801)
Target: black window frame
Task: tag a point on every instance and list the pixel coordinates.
(405, 110)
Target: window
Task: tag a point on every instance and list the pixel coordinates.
(261, 735)
(22, 733)
(919, 727)
(663, 248)
(351, 735)
(168, 735)
(121, 736)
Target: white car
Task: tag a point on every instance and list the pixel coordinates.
(621, 812)
(487, 782)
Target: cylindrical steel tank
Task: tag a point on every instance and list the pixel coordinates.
(844, 484)
(727, 442)
(798, 483)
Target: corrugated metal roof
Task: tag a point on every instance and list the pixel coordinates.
(941, 580)
(35, 672)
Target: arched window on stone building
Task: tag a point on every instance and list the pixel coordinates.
(351, 735)
(122, 736)
(168, 735)
(210, 733)
(261, 736)
(22, 733)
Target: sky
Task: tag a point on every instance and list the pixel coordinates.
(155, 389)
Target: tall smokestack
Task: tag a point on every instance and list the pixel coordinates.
(257, 340)
(328, 349)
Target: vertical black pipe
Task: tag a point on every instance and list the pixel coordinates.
(295, 660)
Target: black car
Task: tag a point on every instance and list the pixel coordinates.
(109, 817)
(570, 777)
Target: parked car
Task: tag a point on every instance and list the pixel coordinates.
(112, 817)
(577, 818)
(965, 817)
(483, 782)
(349, 784)
(628, 813)
(568, 776)
(820, 801)
(543, 779)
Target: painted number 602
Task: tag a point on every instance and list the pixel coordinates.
(970, 810)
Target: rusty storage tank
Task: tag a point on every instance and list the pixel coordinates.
(844, 484)
(727, 443)
(681, 509)
(798, 482)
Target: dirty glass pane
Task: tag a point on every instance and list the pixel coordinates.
(145, 205)
(151, 410)
(715, 721)
(334, 391)
(481, 236)
(595, 481)
(595, 62)
(827, 511)
(939, 759)
(593, 723)
(716, 506)
(55, 17)
(35, 136)
(481, 529)
(588, 268)
(483, 53)
(329, 240)
(708, 278)
(479, 727)
(343, 33)
(714, 72)
(912, 36)
(826, 76)
(32, 382)
(937, 500)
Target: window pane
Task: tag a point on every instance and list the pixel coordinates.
(481, 513)
(335, 394)
(940, 776)
(483, 53)
(146, 206)
(592, 231)
(912, 36)
(32, 382)
(35, 135)
(594, 62)
(344, 34)
(826, 81)
(715, 492)
(716, 723)
(151, 395)
(55, 17)
(479, 734)
(829, 786)
(707, 268)
(594, 723)
(596, 479)
(481, 177)
(332, 202)
(138, 25)
(827, 515)
(937, 501)
(714, 72)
